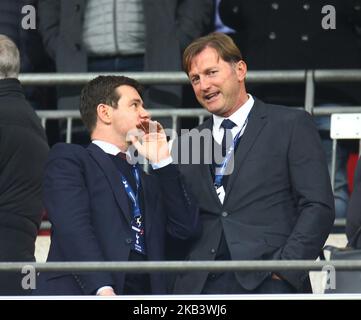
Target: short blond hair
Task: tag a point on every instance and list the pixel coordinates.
(9, 58)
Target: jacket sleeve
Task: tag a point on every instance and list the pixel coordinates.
(182, 212)
(193, 19)
(49, 24)
(67, 201)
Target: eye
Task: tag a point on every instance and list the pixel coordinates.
(212, 72)
(195, 80)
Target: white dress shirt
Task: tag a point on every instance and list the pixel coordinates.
(239, 118)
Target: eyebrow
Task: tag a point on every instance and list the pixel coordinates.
(204, 71)
(136, 100)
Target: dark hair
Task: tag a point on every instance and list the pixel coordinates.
(222, 43)
(102, 90)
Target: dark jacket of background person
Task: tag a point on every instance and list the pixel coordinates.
(354, 207)
(288, 35)
(170, 26)
(33, 57)
(23, 151)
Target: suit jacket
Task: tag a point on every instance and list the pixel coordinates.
(354, 207)
(170, 25)
(278, 204)
(90, 216)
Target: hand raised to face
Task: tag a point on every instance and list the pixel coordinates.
(149, 126)
(153, 144)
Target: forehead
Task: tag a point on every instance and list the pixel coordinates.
(126, 92)
(207, 58)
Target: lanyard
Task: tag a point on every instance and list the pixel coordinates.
(132, 196)
(220, 170)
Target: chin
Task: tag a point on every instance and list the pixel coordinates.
(214, 109)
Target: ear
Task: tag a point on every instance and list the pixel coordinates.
(104, 113)
(241, 69)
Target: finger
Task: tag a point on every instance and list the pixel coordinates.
(136, 143)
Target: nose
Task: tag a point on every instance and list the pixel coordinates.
(144, 114)
(204, 84)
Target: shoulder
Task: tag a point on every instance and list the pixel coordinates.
(67, 150)
(67, 160)
(280, 113)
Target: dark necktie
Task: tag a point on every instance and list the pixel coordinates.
(227, 140)
(122, 155)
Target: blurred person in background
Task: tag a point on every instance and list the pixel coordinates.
(122, 36)
(353, 224)
(23, 151)
(22, 28)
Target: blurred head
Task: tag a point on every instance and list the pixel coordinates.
(216, 70)
(9, 58)
(111, 106)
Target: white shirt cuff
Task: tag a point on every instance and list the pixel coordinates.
(103, 288)
(162, 163)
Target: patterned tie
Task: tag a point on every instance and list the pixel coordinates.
(227, 139)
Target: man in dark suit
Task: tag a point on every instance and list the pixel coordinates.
(273, 201)
(23, 149)
(303, 35)
(102, 206)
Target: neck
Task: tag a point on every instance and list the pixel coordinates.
(239, 105)
(120, 143)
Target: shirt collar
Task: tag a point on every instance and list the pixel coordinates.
(108, 147)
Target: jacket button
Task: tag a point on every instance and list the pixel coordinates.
(78, 46)
(272, 35)
(213, 251)
(128, 240)
(306, 6)
(224, 214)
(77, 7)
(304, 37)
(275, 6)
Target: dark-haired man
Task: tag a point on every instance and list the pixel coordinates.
(102, 206)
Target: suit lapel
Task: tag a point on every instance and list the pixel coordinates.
(208, 183)
(148, 201)
(113, 176)
(256, 122)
